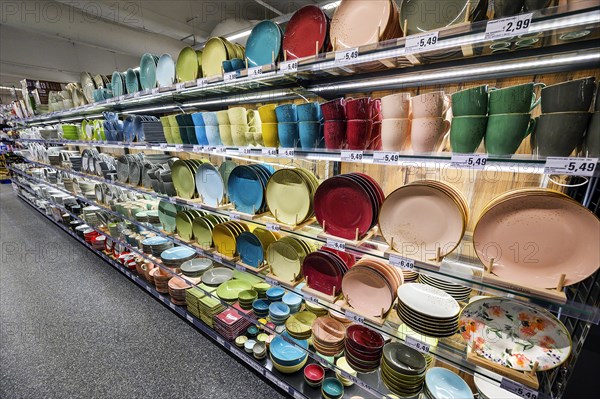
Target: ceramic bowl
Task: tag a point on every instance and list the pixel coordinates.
(314, 373)
(332, 388)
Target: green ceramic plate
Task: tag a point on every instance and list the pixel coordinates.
(213, 55)
(289, 196)
(167, 214)
(184, 225)
(183, 180)
(187, 65)
(230, 290)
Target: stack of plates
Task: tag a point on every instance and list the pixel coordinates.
(263, 44)
(428, 310)
(328, 336)
(420, 19)
(299, 325)
(252, 246)
(152, 131)
(230, 322)
(410, 217)
(118, 84)
(286, 257)
(156, 245)
(148, 65)
(217, 276)
(294, 301)
(209, 307)
(165, 71)
(210, 185)
(275, 294)
(287, 357)
(348, 204)
(192, 299)
(184, 220)
(519, 215)
(153, 218)
(278, 313)
(457, 291)
(187, 65)
(183, 173)
(441, 383)
(178, 287)
(290, 194)
(196, 267)
(70, 132)
(409, 275)
(316, 309)
(364, 348)
(246, 298)
(225, 235)
(403, 369)
(230, 290)
(161, 280)
(202, 229)
(174, 257)
(246, 188)
(216, 50)
(261, 288)
(370, 286)
(308, 25)
(261, 308)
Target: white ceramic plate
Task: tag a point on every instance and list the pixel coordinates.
(428, 300)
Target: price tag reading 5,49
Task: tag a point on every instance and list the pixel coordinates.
(518, 389)
(570, 166)
(351, 156)
(386, 157)
(288, 66)
(254, 72)
(469, 161)
(335, 244)
(422, 42)
(346, 56)
(509, 26)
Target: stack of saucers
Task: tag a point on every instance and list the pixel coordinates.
(260, 307)
(440, 381)
(175, 257)
(409, 275)
(317, 309)
(196, 267)
(364, 348)
(457, 291)
(403, 369)
(328, 336)
(278, 313)
(157, 245)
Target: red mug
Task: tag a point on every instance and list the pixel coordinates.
(359, 108)
(334, 110)
(358, 133)
(375, 144)
(375, 110)
(335, 134)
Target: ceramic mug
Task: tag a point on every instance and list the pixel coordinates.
(358, 108)
(237, 64)
(270, 135)
(466, 133)
(334, 133)
(223, 117)
(358, 133)
(286, 113)
(288, 134)
(225, 134)
(514, 99)
(507, 8)
(375, 144)
(253, 118)
(394, 134)
(238, 135)
(334, 110)
(310, 134)
(570, 96)
(237, 116)
(210, 119)
(430, 105)
(395, 106)
(558, 134)
(592, 137)
(200, 133)
(212, 135)
(257, 134)
(473, 101)
(309, 112)
(427, 133)
(505, 132)
(267, 113)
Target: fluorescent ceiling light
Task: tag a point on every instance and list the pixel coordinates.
(7, 88)
(332, 5)
(239, 35)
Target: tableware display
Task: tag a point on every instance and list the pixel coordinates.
(348, 205)
(246, 188)
(420, 18)
(264, 44)
(176, 256)
(558, 134)
(395, 133)
(148, 67)
(441, 383)
(428, 310)
(186, 68)
(202, 228)
(518, 99)
(225, 235)
(328, 336)
(165, 71)
(285, 258)
(505, 132)
(457, 291)
(363, 348)
(289, 195)
(331, 388)
(467, 132)
(403, 369)
(523, 334)
(518, 215)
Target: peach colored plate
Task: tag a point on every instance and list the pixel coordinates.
(367, 291)
(357, 22)
(534, 239)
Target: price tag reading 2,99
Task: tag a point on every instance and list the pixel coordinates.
(507, 27)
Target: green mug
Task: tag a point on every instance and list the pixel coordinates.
(467, 132)
(558, 134)
(514, 100)
(505, 132)
(473, 101)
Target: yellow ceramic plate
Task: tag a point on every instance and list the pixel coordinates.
(224, 240)
(213, 55)
(187, 65)
(284, 260)
(289, 196)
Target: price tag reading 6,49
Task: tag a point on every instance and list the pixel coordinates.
(335, 244)
(402, 262)
(416, 344)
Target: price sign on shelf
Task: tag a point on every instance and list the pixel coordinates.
(197, 148)
(272, 282)
(254, 72)
(287, 152)
(240, 268)
(402, 262)
(421, 42)
(202, 82)
(273, 227)
(164, 146)
(172, 200)
(509, 26)
(229, 76)
(218, 258)
(335, 244)
(417, 344)
(289, 66)
(269, 151)
(234, 216)
(311, 298)
(570, 166)
(156, 90)
(469, 161)
(220, 150)
(346, 56)
(351, 156)
(178, 147)
(189, 318)
(518, 389)
(354, 317)
(245, 150)
(180, 86)
(386, 157)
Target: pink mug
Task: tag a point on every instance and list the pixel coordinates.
(358, 133)
(335, 134)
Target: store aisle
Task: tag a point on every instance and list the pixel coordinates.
(72, 326)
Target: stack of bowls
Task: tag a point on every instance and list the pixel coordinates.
(342, 364)
(275, 294)
(156, 245)
(328, 336)
(334, 123)
(288, 358)
(564, 119)
(469, 121)
(395, 127)
(175, 257)
(428, 123)
(196, 267)
(177, 287)
(310, 127)
(293, 301)
(246, 299)
(268, 119)
(278, 313)
(331, 388)
(316, 309)
(287, 125)
(441, 383)
(314, 375)
(403, 369)
(299, 325)
(224, 127)
(211, 127)
(261, 288)
(260, 307)
(259, 351)
(364, 348)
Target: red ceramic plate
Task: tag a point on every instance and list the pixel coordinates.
(366, 185)
(365, 338)
(345, 206)
(307, 26)
(375, 185)
(348, 259)
(322, 273)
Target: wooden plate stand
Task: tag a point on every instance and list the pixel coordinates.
(379, 320)
(288, 284)
(358, 240)
(248, 216)
(225, 257)
(318, 294)
(527, 378)
(290, 227)
(259, 269)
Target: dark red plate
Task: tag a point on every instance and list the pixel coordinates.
(348, 259)
(345, 206)
(375, 185)
(366, 185)
(307, 26)
(322, 273)
(365, 338)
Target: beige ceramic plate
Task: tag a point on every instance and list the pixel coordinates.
(367, 291)
(289, 196)
(284, 260)
(357, 22)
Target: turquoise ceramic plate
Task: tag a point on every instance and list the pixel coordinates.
(165, 71)
(132, 80)
(117, 84)
(148, 71)
(263, 44)
(177, 253)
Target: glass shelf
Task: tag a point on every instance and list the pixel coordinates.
(570, 28)
(466, 268)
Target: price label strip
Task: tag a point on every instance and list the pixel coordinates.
(197, 148)
(351, 156)
(518, 389)
(240, 268)
(234, 216)
(229, 76)
(335, 244)
(273, 227)
(421, 42)
(386, 157)
(180, 86)
(288, 66)
(417, 344)
(245, 150)
(255, 72)
(270, 151)
(272, 282)
(311, 298)
(346, 56)
(178, 147)
(402, 262)
(570, 166)
(507, 27)
(287, 152)
(202, 82)
(469, 161)
(354, 317)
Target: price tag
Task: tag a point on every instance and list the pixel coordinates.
(178, 147)
(354, 317)
(509, 26)
(149, 146)
(220, 150)
(229, 76)
(311, 298)
(273, 227)
(218, 258)
(172, 305)
(286, 152)
(422, 42)
(469, 161)
(518, 389)
(272, 282)
(189, 318)
(417, 344)
(386, 157)
(351, 156)
(335, 244)
(346, 56)
(245, 150)
(164, 146)
(255, 72)
(234, 216)
(180, 86)
(161, 298)
(156, 90)
(288, 66)
(172, 200)
(570, 166)
(202, 82)
(231, 152)
(240, 268)
(197, 148)
(220, 340)
(402, 262)
(269, 151)
(137, 94)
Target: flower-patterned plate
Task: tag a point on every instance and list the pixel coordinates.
(515, 335)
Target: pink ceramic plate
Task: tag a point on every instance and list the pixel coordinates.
(358, 22)
(367, 291)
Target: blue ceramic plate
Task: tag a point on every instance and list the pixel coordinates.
(209, 184)
(177, 253)
(263, 42)
(286, 353)
(250, 249)
(117, 84)
(132, 80)
(155, 241)
(148, 71)
(165, 71)
(245, 189)
(443, 383)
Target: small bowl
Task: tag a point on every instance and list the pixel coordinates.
(332, 388)
(259, 350)
(252, 331)
(240, 341)
(249, 345)
(314, 374)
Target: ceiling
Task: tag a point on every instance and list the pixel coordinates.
(57, 39)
